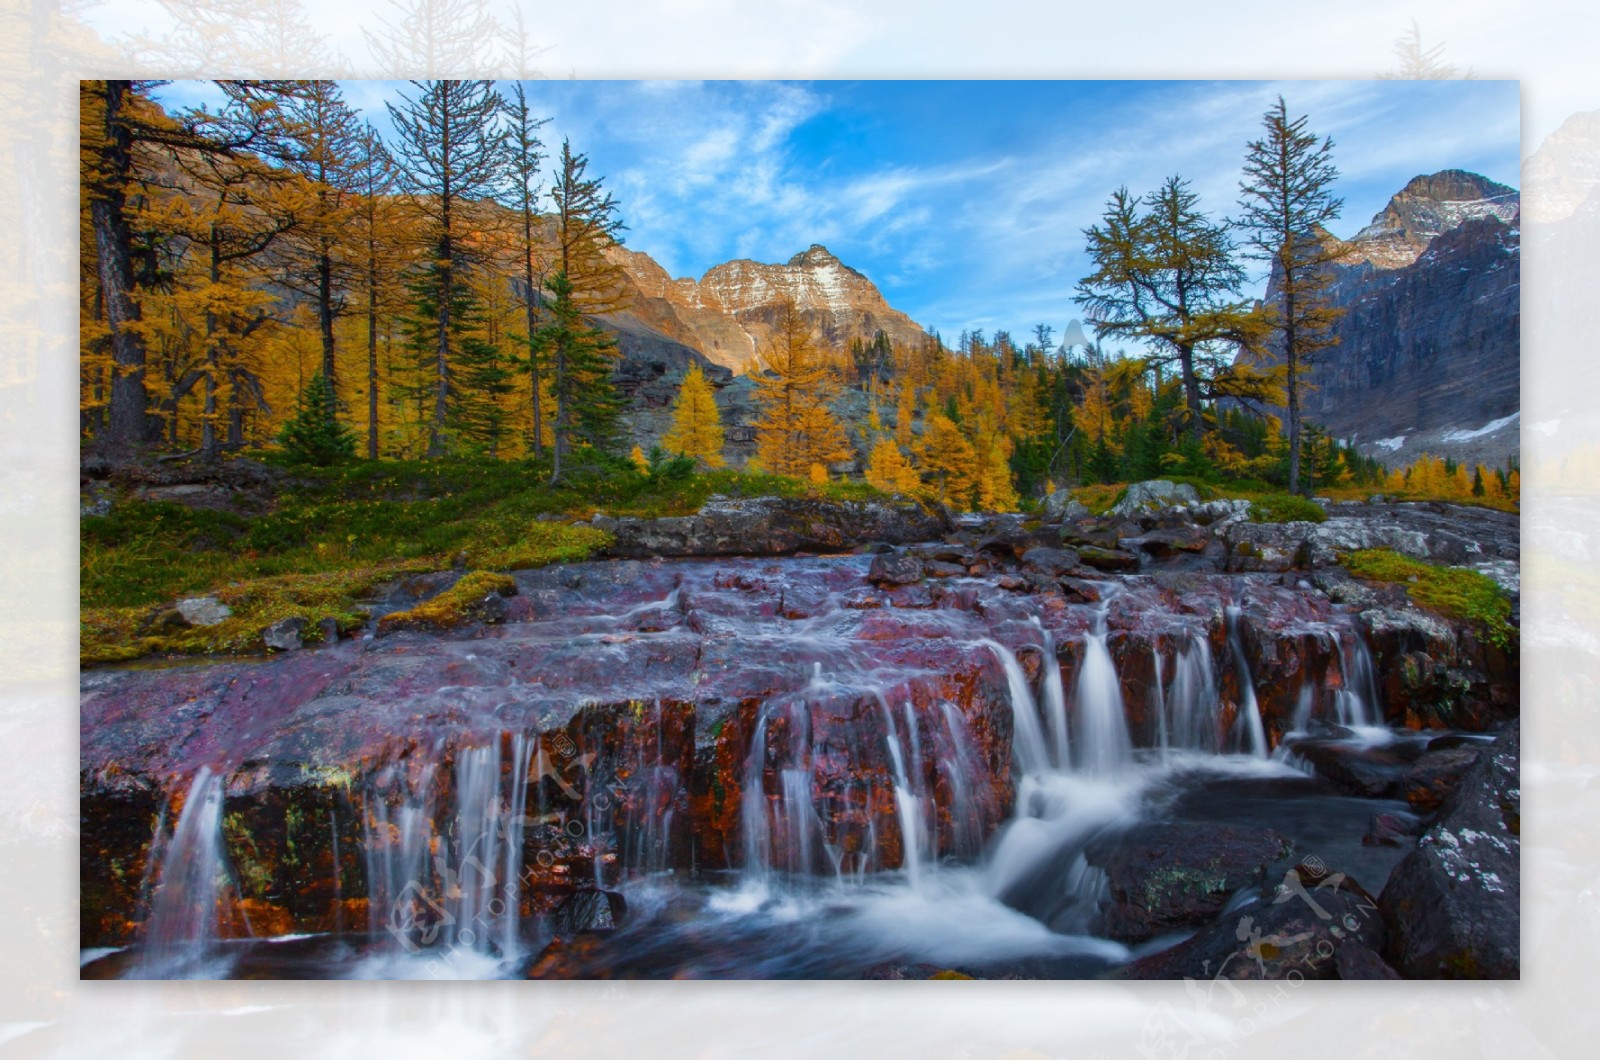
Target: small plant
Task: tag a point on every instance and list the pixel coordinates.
(314, 434)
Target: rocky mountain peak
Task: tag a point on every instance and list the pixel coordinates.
(727, 314)
(1428, 206)
(813, 256)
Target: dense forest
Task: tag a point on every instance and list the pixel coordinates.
(270, 273)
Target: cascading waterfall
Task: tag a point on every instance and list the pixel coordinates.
(457, 883)
(653, 787)
(785, 833)
(782, 834)
(1055, 700)
(1100, 735)
(956, 764)
(1028, 742)
(1356, 701)
(1191, 699)
(400, 873)
(1249, 712)
(908, 808)
(192, 883)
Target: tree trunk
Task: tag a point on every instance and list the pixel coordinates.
(325, 321)
(558, 450)
(533, 346)
(1291, 360)
(1191, 392)
(208, 422)
(235, 410)
(372, 355)
(128, 422)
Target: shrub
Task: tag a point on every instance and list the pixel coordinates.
(314, 434)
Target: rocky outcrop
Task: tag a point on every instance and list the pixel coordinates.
(1428, 354)
(1314, 924)
(1164, 877)
(1453, 906)
(773, 526)
(1144, 497)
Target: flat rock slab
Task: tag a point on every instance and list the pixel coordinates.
(1167, 876)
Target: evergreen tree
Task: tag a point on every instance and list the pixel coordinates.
(586, 403)
(451, 153)
(525, 157)
(314, 435)
(1287, 204)
(696, 425)
(586, 283)
(378, 216)
(326, 143)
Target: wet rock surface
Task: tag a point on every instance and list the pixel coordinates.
(1298, 929)
(1453, 906)
(1163, 877)
(773, 526)
(842, 716)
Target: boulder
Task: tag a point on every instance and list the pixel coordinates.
(286, 635)
(1432, 778)
(1088, 536)
(1271, 547)
(203, 611)
(894, 569)
(1113, 559)
(1060, 507)
(1052, 562)
(1295, 931)
(1453, 906)
(1149, 496)
(1167, 876)
(1169, 541)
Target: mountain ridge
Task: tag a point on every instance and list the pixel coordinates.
(1428, 358)
(728, 313)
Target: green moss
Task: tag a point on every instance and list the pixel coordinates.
(540, 544)
(949, 973)
(1454, 591)
(1099, 499)
(453, 606)
(254, 875)
(118, 634)
(1285, 508)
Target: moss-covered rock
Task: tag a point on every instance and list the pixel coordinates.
(476, 597)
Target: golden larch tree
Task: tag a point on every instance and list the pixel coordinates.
(795, 429)
(696, 424)
(950, 463)
(890, 471)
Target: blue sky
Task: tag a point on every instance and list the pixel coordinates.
(964, 201)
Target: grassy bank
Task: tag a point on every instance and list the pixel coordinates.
(329, 536)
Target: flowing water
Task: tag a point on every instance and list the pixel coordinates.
(867, 831)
